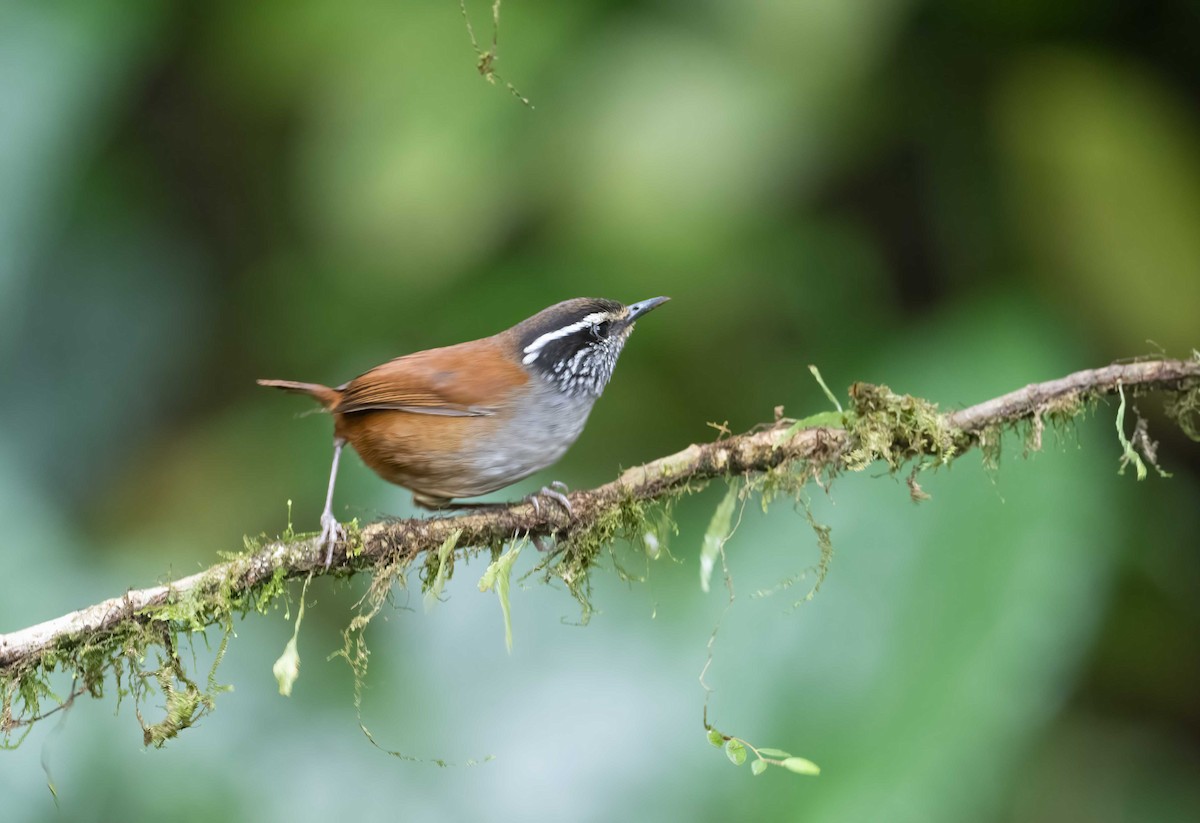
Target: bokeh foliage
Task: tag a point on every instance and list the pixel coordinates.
(952, 198)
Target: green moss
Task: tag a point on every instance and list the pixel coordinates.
(186, 702)
(990, 439)
(792, 481)
(1065, 409)
(896, 428)
(627, 521)
(789, 480)
(1184, 410)
(354, 539)
(824, 544)
(431, 570)
(90, 662)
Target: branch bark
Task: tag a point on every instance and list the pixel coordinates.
(819, 448)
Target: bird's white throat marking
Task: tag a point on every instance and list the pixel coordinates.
(535, 348)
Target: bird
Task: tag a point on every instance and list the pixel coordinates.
(464, 420)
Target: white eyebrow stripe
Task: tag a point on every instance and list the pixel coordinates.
(535, 348)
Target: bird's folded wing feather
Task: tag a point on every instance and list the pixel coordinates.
(466, 380)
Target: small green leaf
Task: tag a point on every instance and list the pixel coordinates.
(736, 752)
(779, 753)
(716, 738)
(498, 574)
(817, 374)
(287, 668)
(1129, 455)
(825, 419)
(800, 765)
(718, 532)
(758, 767)
(434, 593)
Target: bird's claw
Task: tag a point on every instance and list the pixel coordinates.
(553, 494)
(331, 533)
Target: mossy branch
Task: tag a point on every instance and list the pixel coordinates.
(93, 642)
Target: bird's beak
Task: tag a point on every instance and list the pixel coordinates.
(636, 310)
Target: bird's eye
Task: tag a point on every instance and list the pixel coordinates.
(600, 330)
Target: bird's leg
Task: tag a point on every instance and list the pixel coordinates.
(331, 530)
(555, 492)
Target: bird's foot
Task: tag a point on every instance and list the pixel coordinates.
(551, 492)
(331, 532)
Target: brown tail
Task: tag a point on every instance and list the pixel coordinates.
(324, 395)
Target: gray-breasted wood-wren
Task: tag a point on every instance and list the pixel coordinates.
(465, 420)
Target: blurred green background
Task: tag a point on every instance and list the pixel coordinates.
(953, 198)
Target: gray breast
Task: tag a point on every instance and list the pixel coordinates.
(545, 424)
